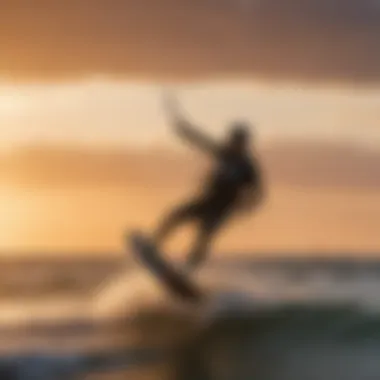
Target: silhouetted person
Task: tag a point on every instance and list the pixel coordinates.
(234, 185)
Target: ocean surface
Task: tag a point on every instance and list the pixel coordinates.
(284, 319)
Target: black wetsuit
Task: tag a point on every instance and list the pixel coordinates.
(232, 175)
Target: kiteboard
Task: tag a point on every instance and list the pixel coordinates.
(177, 283)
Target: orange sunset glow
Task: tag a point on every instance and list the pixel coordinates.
(87, 152)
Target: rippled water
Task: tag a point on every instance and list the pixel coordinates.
(275, 320)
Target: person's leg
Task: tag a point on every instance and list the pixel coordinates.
(208, 228)
(173, 220)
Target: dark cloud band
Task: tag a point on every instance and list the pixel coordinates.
(312, 40)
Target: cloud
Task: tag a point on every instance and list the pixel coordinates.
(310, 40)
(302, 163)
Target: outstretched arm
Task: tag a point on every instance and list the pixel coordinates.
(187, 131)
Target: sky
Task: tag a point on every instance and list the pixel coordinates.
(132, 114)
(90, 75)
(310, 40)
(93, 71)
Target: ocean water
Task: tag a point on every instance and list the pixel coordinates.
(269, 320)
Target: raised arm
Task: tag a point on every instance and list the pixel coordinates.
(184, 128)
(188, 132)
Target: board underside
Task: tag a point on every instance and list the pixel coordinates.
(176, 283)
